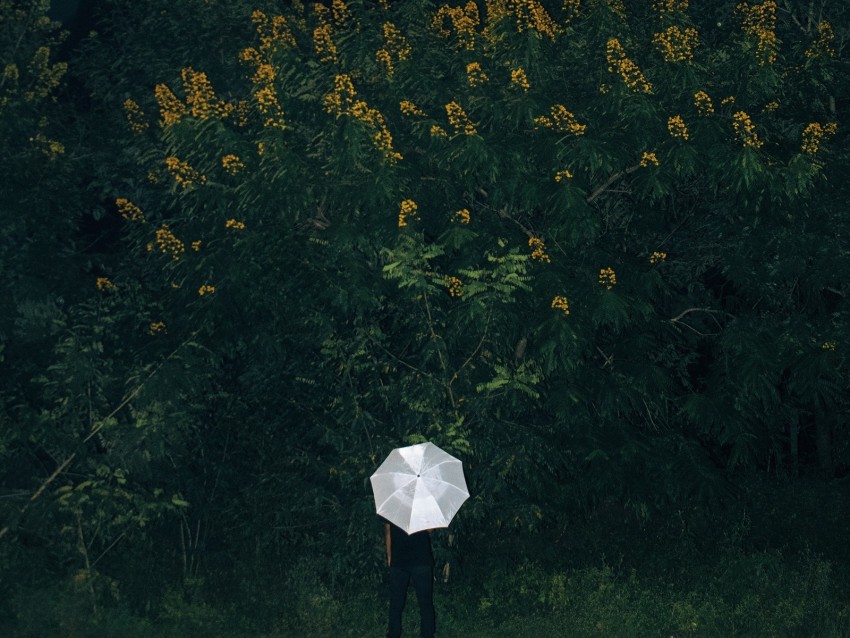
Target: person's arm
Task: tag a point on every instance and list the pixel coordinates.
(389, 542)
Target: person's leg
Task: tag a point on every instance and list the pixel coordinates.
(423, 583)
(399, 579)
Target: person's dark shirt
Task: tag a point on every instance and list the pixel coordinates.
(407, 551)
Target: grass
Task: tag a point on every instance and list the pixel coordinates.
(756, 594)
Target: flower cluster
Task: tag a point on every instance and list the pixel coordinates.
(572, 8)
(324, 44)
(823, 46)
(200, 97)
(396, 48)
(657, 256)
(828, 345)
(675, 44)
(156, 327)
(531, 15)
(745, 130)
(459, 120)
(129, 211)
(771, 106)
(727, 100)
(438, 131)
(455, 286)
(648, 158)
(538, 250)
(272, 33)
(475, 75)
(408, 210)
(560, 302)
(814, 134)
(463, 21)
(47, 76)
(105, 285)
(232, 164)
(562, 120)
(206, 289)
(270, 108)
(340, 12)
(168, 243)
(563, 175)
(196, 245)
(677, 127)
(11, 73)
(462, 216)
(342, 101)
(607, 278)
(171, 109)
(135, 117)
(409, 108)
(670, 6)
(183, 173)
(520, 79)
(234, 224)
(619, 62)
(759, 23)
(703, 103)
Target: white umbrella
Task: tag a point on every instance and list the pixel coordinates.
(419, 487)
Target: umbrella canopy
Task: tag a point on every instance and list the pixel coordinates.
(419, 487)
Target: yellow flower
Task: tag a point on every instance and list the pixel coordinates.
(563, 175)
(323, 43)
(408, 210)
(196, 245)
(538, 250)
(183, 173)
(438, 131)
(619, 62)
(828, 345)
(409, 108)
(459, 120)
(560, 302)
(703, 103)
(200, 97)
(455, 286)
(814, 134)
(475, 75)
(395, 48)
(671, 6)
(520, 79)
(269, 107)
(273, 33)
(171, 109)
(232, 164)
(676, 126)
(675, 44)
(156, 327)
(560, 119)
(206, 289)
(824, 44)
(234, 224)
(648, 158)
(463, 216)
(657, 256)
(745, 130)
(727, 100)
(129, 211)
(105, 285)
(342, 101)
(607, 277)
(531, 15)
(135, 117)
(168, 243)
(463, 21)
(759, 23)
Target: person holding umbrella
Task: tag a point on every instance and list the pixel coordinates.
(417, 488)
(409, 558)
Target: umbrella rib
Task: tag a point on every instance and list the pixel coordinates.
(396, 491)
(431, 467)
(447, 484)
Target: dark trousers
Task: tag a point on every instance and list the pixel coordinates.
(423, 584)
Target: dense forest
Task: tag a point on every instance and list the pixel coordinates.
(598, 250)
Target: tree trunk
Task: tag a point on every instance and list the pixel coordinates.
(823, 440)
